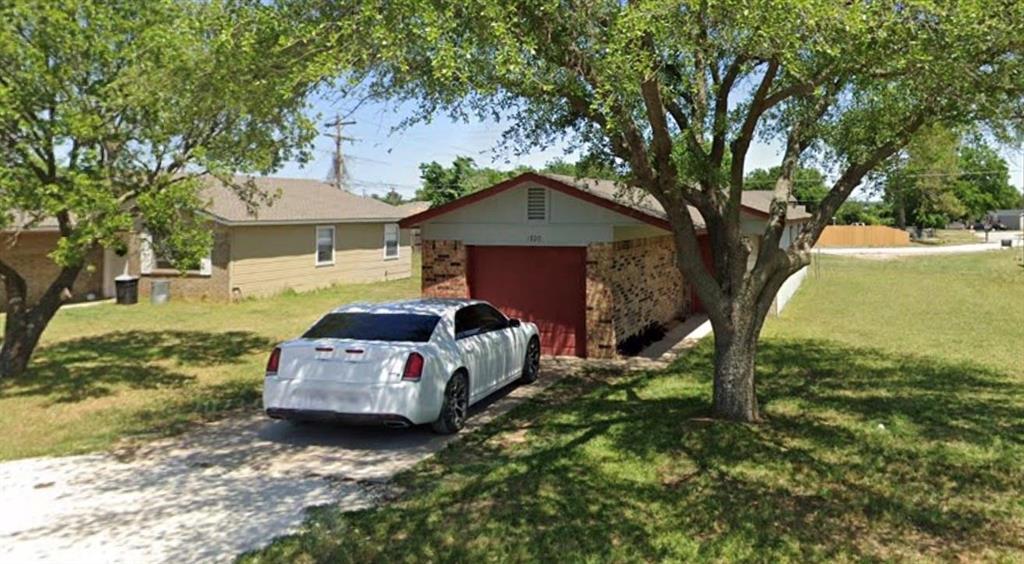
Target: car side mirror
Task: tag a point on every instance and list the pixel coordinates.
(514, 323)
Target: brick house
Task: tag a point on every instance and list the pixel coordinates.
(312, 236)
(27, 252)
(591, 262)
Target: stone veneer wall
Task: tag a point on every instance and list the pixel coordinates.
(631, 284)
(444, 269)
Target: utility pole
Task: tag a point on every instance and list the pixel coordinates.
(339, 172)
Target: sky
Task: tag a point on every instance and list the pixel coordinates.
(380, 158)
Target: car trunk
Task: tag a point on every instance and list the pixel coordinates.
(345, 360)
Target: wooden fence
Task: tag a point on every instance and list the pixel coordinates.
(863, 236)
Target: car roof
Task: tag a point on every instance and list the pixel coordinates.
(429, 306)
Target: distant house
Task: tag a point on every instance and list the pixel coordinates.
(26, 251)
(591, 262)
(312, 235)
(1008, 218)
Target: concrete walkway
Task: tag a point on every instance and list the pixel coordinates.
(211, 494)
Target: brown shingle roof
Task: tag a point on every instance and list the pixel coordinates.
(638, 199)
(412, 208)
(297, 200)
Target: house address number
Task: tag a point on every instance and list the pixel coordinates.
(535, 238)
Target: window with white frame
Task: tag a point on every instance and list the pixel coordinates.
(151, 261)
(390, 240)
(324, 245)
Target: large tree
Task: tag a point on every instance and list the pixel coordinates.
(984, 183)
(919, 182)
(110, 111)
(678, 91)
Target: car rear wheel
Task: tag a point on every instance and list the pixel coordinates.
(531, 364)
(455, 407)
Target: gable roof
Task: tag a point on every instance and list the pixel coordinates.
(413, 208)
(628, 200)
(298, 200)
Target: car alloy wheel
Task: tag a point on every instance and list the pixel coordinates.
(456, 405)
(531, 365)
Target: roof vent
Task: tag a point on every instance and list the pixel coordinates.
(536, 204)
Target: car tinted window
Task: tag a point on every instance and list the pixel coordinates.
(478, 318)
(491, 319)
(374, 327)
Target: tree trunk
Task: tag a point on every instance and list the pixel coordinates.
(735, 396)
(25, 324)
(736, 338)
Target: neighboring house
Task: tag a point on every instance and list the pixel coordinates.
(591, 262)
(27, 250)
(312, 236)
(413, 208)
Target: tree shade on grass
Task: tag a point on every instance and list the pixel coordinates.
(107, 373)
(894, 430)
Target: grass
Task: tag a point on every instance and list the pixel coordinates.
(953, 237)
(107, 373)
(894, 396)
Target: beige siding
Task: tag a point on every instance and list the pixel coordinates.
(267, 260)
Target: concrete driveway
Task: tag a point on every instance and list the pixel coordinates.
(211, 494)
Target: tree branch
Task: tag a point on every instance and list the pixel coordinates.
(721, 124)
(850, 179)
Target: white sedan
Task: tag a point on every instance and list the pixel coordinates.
(400, 363)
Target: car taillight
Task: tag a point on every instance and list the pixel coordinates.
(413, 367)
(274, 361)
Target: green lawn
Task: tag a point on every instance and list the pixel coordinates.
(894, 392)
(955, 237)
(108, 372)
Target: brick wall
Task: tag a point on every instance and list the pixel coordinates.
(600, 301)
(444, 269)
(28, 255)
(647, 286)
(631, 284)
(189, 286)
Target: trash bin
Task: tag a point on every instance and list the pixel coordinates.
(1006, 243)
(127, 289)
(160, 292)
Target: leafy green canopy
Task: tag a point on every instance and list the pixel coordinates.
(943, 176)
(678, 89)
(441, 184)
(809, 184)
(110, 111)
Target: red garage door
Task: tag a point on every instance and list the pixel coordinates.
(544, 285)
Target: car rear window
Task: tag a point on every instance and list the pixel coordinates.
(374, 327)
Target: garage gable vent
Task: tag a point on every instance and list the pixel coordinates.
(536, 204)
